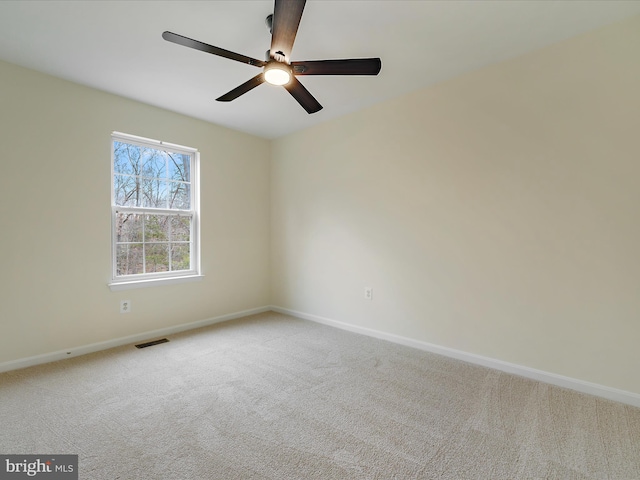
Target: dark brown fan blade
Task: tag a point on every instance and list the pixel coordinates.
(302, 95)
(286, 18)
(354, 66)
(242, 89)
(221, 52)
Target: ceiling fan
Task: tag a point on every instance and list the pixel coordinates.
(278, 69)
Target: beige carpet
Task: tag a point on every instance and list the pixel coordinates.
(273, 397)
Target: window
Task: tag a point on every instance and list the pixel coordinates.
(154, 211)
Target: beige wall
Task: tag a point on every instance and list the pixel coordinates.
(497, 213)
(55, 211)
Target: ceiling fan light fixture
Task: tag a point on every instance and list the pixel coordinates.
(276, 67)
(277, 73)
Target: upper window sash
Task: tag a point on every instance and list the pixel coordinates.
(164, 176)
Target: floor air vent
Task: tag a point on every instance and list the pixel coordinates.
(149, 344)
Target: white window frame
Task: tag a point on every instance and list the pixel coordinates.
(123, 282)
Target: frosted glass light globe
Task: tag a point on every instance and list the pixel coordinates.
(276, 75)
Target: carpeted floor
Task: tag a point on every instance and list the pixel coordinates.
(274, 397)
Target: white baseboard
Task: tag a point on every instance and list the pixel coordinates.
(117, 342)
(609, 393)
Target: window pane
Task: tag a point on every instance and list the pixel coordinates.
(128, 227)
(126, 158)
(179, 195)
(127, 191)
(156, 257)
(156, 228)
(180, 256)
(154, 163)
(179, 167)
(180, 228)
(129, 259)
(154, 193)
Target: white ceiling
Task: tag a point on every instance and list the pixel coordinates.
(117, 46)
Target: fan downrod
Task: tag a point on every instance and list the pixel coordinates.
(269, 22)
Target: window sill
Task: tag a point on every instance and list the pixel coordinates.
(155, 282)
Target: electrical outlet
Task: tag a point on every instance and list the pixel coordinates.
(368, 293)
(125, 306)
